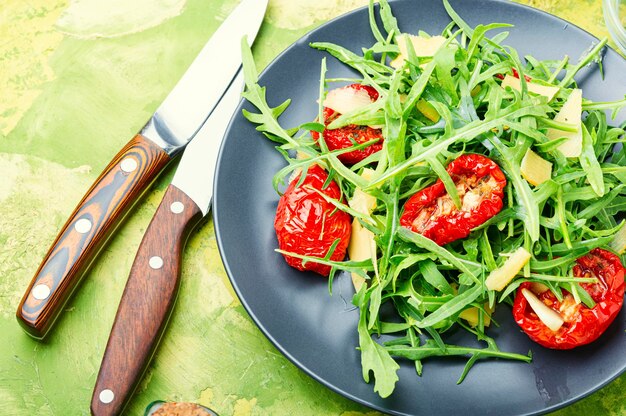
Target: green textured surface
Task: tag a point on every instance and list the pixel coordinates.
(77, 80)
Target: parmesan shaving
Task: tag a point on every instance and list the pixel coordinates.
(547, 315)
(499, 278)
(422, 46)
(570, 113)
(362, 245)
(345, 100)
(535, 169)
(515, 83)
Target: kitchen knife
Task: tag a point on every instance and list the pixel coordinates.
(154, 278)
(173, 125)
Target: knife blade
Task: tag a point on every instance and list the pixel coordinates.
(174, 124)
(152, 285)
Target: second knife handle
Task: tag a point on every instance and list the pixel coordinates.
(146, 303)
(93, 221)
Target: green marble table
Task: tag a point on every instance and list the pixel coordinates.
(77, 79)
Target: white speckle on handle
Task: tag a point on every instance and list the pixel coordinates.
(41, 291)
(155, 262)
(128, 164)
(82, 226)
(106, 396)
(177, 207)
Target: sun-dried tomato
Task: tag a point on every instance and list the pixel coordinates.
(346, 136)
(582, 324)
(480, 185)
(307, 224)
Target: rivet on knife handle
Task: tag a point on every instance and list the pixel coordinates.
(146, 303)
(83, 235)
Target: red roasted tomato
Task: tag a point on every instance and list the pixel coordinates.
(582, 324)
(307, 224)
(343, 137)
(480, 184)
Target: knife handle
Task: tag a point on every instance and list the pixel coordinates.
(93, 221)
(146, 303)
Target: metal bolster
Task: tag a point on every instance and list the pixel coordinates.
(157, 131)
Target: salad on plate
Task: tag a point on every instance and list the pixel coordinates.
(452, 177)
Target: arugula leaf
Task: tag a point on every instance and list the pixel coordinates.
(429, 349)
(432, 275)
(590, 164)
(452, 307)
(255, 94)
(361, 64)
(524, 195)
(376, 359)
(441, 172)
(427, 244)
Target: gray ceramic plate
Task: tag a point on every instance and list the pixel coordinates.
(318, 332)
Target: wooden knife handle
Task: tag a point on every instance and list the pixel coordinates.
(146, 303)
(93, 221)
